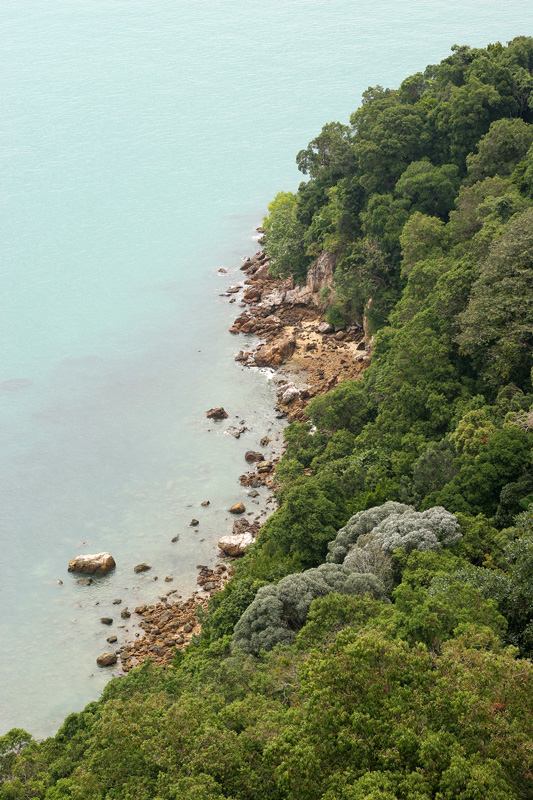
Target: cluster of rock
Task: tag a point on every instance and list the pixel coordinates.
(244, 534)
(168, 625)
(289, 320)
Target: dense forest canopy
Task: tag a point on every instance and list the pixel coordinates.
(376, 641)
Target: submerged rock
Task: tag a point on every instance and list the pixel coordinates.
(92, 563)
(216, 413)
(253, 455)
(141, 567)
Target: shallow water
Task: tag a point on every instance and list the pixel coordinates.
(141, 143)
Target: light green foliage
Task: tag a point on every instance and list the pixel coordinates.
(422, 236)
(284, 236)
(472, 432)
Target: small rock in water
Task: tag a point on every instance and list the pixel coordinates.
(106, 659)
(168, 579)
(84, 581)
(205, 503)
(253, 455)
(117, 602)
(253, 493)
(106, 620)
(238, 508)
(59, 582)
(141, 568)
(125, 614)
(111, 639)
(216, 413)
(193, 523)
(175, 539)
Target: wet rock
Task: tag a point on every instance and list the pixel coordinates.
(175, 539)
(235, 545)
(252, 295)
(264, 441)
(142, 567)
(253, 493)
(237, 508)
(252, 455)
(141, 609)
(125, 614)
(290, 394)
(205, 503)
(275, 353)
(112, 639)
(84, 581)
(193, 523)
(169, 579)
(106, 620)
(216, 413)
(106, 659)
(117, 602)
(92, 564)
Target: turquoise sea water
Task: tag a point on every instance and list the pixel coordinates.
(140, 144)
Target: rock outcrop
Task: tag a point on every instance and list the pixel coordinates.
(275, 353)
(92, 563)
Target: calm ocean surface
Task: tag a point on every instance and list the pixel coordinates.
(141, 141)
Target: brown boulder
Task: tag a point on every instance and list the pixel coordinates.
(238, 508)
(275, 353)
(92, 564)
(252, 295)
(141, 567)
(252, 455)
(216, 413)
(106, 659)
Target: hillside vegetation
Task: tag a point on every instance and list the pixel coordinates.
(376, 641)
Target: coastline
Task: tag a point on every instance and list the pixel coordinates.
(307, 357)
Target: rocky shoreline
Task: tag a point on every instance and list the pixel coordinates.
(309, 357)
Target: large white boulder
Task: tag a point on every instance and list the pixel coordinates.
(92, 564)
(235, 545)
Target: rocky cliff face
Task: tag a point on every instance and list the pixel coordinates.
(319, 275)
